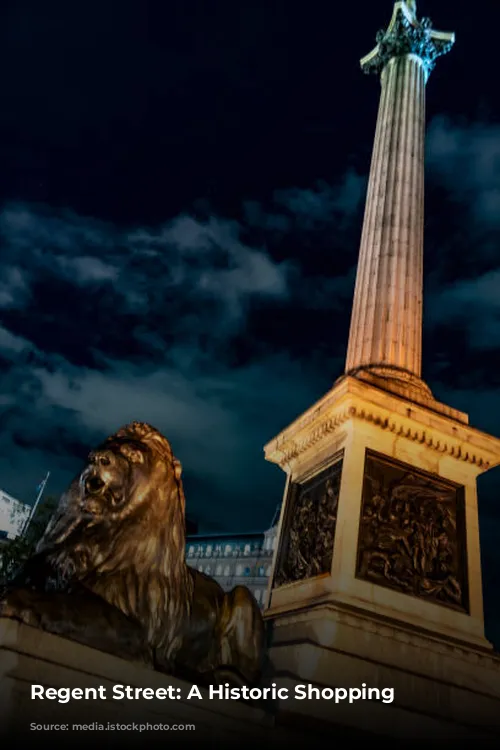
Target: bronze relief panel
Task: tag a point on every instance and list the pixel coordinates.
(306, 548)
(412, 533)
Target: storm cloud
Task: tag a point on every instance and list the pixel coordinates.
(103, 325)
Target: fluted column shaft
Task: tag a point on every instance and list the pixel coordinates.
(386, 323)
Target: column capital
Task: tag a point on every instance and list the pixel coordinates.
(406, 35)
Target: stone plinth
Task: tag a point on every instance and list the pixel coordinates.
(32, 657)
(356, 595)
(352, 422)
(443, 690)
(29, 656)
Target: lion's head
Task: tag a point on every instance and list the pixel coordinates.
(120, 528)
(123, 472)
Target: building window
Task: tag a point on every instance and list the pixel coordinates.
(246, 551)
(247, 571)
(208, 570)
(227, 549)
(191, 551)
(261, 570)
(258, 594)
(268, 571)
(274, 543)
(208, 550)
(227, 571)
(239, 570)
(218, 570)
(200, 568)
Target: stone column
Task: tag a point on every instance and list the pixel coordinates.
(386, 325)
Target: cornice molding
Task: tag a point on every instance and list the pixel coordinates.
(451, 448)
(315, 428)
(289, 449)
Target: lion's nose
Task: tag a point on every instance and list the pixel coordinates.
(101, 458)
(93, 484)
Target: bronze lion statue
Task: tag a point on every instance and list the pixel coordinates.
(110, 571)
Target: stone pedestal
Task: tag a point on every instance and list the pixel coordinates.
(444, 691)
(397, 462)
(29, 656)
(32, 657)
(377, 575)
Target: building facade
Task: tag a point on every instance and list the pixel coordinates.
(235, 559)
(13, 515)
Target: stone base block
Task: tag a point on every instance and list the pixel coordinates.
(32, 657)
(443, 690)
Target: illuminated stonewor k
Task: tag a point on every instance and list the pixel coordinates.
(386, 326)
(377, 572)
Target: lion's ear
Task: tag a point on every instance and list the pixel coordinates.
(177, 469)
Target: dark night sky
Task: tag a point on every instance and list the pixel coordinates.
(181, 195)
